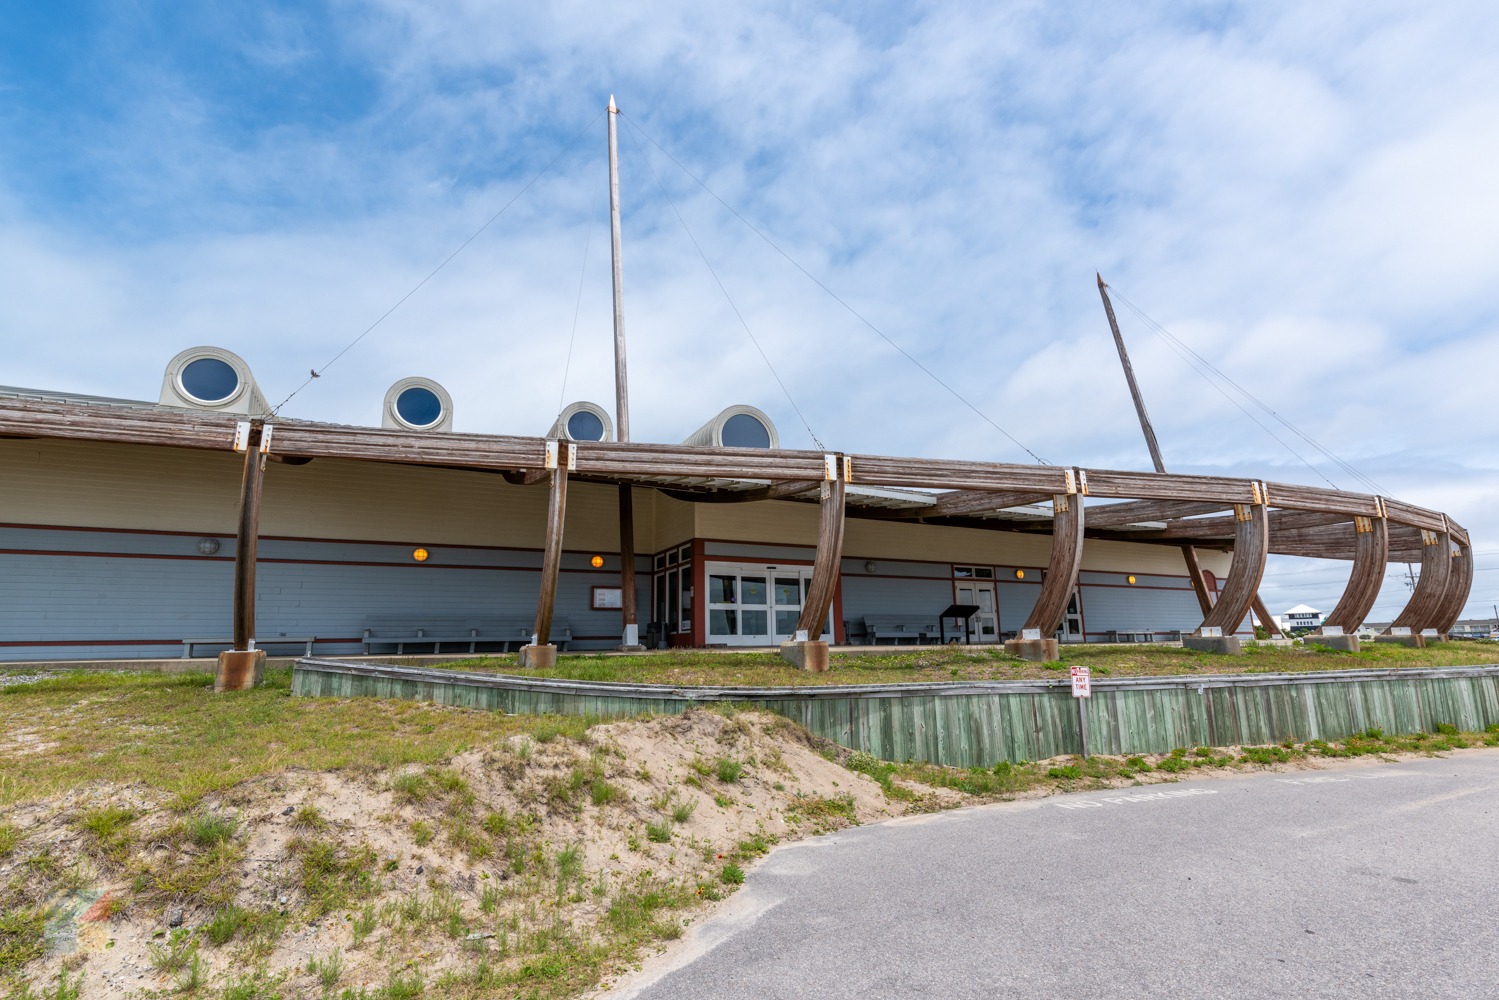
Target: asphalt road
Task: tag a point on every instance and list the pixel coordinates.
(1377, 881)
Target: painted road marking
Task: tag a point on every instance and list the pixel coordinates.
(1119, 800)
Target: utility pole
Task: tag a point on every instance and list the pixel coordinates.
(1189, 552)
(631, 636)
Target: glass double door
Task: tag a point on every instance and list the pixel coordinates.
(985, 624)
(755, 605)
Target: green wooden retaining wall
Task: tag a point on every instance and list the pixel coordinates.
(976, 723)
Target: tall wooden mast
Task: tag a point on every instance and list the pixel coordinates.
(631, 629)
(1189, 553)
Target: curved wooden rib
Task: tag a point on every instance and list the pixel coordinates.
(1251, 545)
(1061, 570)
(1370, 554)
(1436, 569)
(825, 567)
(1456, 595)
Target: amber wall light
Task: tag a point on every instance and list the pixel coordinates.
(1131, 579)
(597, 561)
(1020, 574)
(420, 555)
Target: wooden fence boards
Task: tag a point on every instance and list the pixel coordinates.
(978, 723)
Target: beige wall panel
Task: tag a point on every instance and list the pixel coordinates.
(672, 521)
(98, 485)
(94, 485)
(775, 522)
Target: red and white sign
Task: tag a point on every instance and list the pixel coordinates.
(1082, 683)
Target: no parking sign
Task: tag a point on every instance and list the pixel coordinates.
(1082, 683)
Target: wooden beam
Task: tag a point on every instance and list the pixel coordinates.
(1199, 582)
(1415, 517)
(551, 556)
(827, 563)
(1062, 568)
(1251, 545)
(1455, 598)
(1371, 554)
(1102, 515)
(1165, 486)
(1436, 570)
(245, 542)
(527, 478)
(1311, 498)
(627, 560)
(1266, 619)
(775, 491)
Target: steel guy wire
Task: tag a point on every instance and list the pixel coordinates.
(725, 291)
(1172, 340)
(583, 272)
(439, 267)
(856, 314)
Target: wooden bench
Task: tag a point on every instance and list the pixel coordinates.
(918, 629)
(188, 644)
(1142, 634)
(405, 630)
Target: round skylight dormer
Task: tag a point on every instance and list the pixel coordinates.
(211, 378)
(417, 404)
(583, 421)
(740, 426)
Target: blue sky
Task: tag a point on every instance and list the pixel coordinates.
(1301, 193)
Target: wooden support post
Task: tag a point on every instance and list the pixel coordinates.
(630, 635)
(1371, 553)
(1251, 545)
(541, 653)
(1061, 579)
(243, 667)
(1426, 600)
(827, 563)
(244, 547)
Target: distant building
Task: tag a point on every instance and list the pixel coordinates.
(1475, 628)
(1301, 617)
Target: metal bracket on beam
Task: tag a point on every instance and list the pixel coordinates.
(551, 459)
(830, 467)
(242, 435)
(265, 438)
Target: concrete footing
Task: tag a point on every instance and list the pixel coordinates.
(239, 670)
(1227, 645)
(537, 656)
(1035, 650)
(1343, 643)
(637, 648)
(811, 655)
(1414, 641)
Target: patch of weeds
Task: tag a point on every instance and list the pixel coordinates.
(108, 828)
(755, 846)
(422, 833)
(1066, 772)
(309, 817)
(633, 915)
(257, 985)
(1264, 755)
(21, 936)
(174, 954)
(659, 832)
(603, 793)
(192, 975)
(546, 732)
(363, 925)
(262, 930)
(466, 840)
(723, 801)
(1138, 764)
(409, 787)
(224, 925)
(728, 770)
(732, 874)
(9, 838)
(332, 876)
(683, 811)
(329, 971)
(569, 867)
(64, 990)
(490, 900)
(208, 829)
(701, 766)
